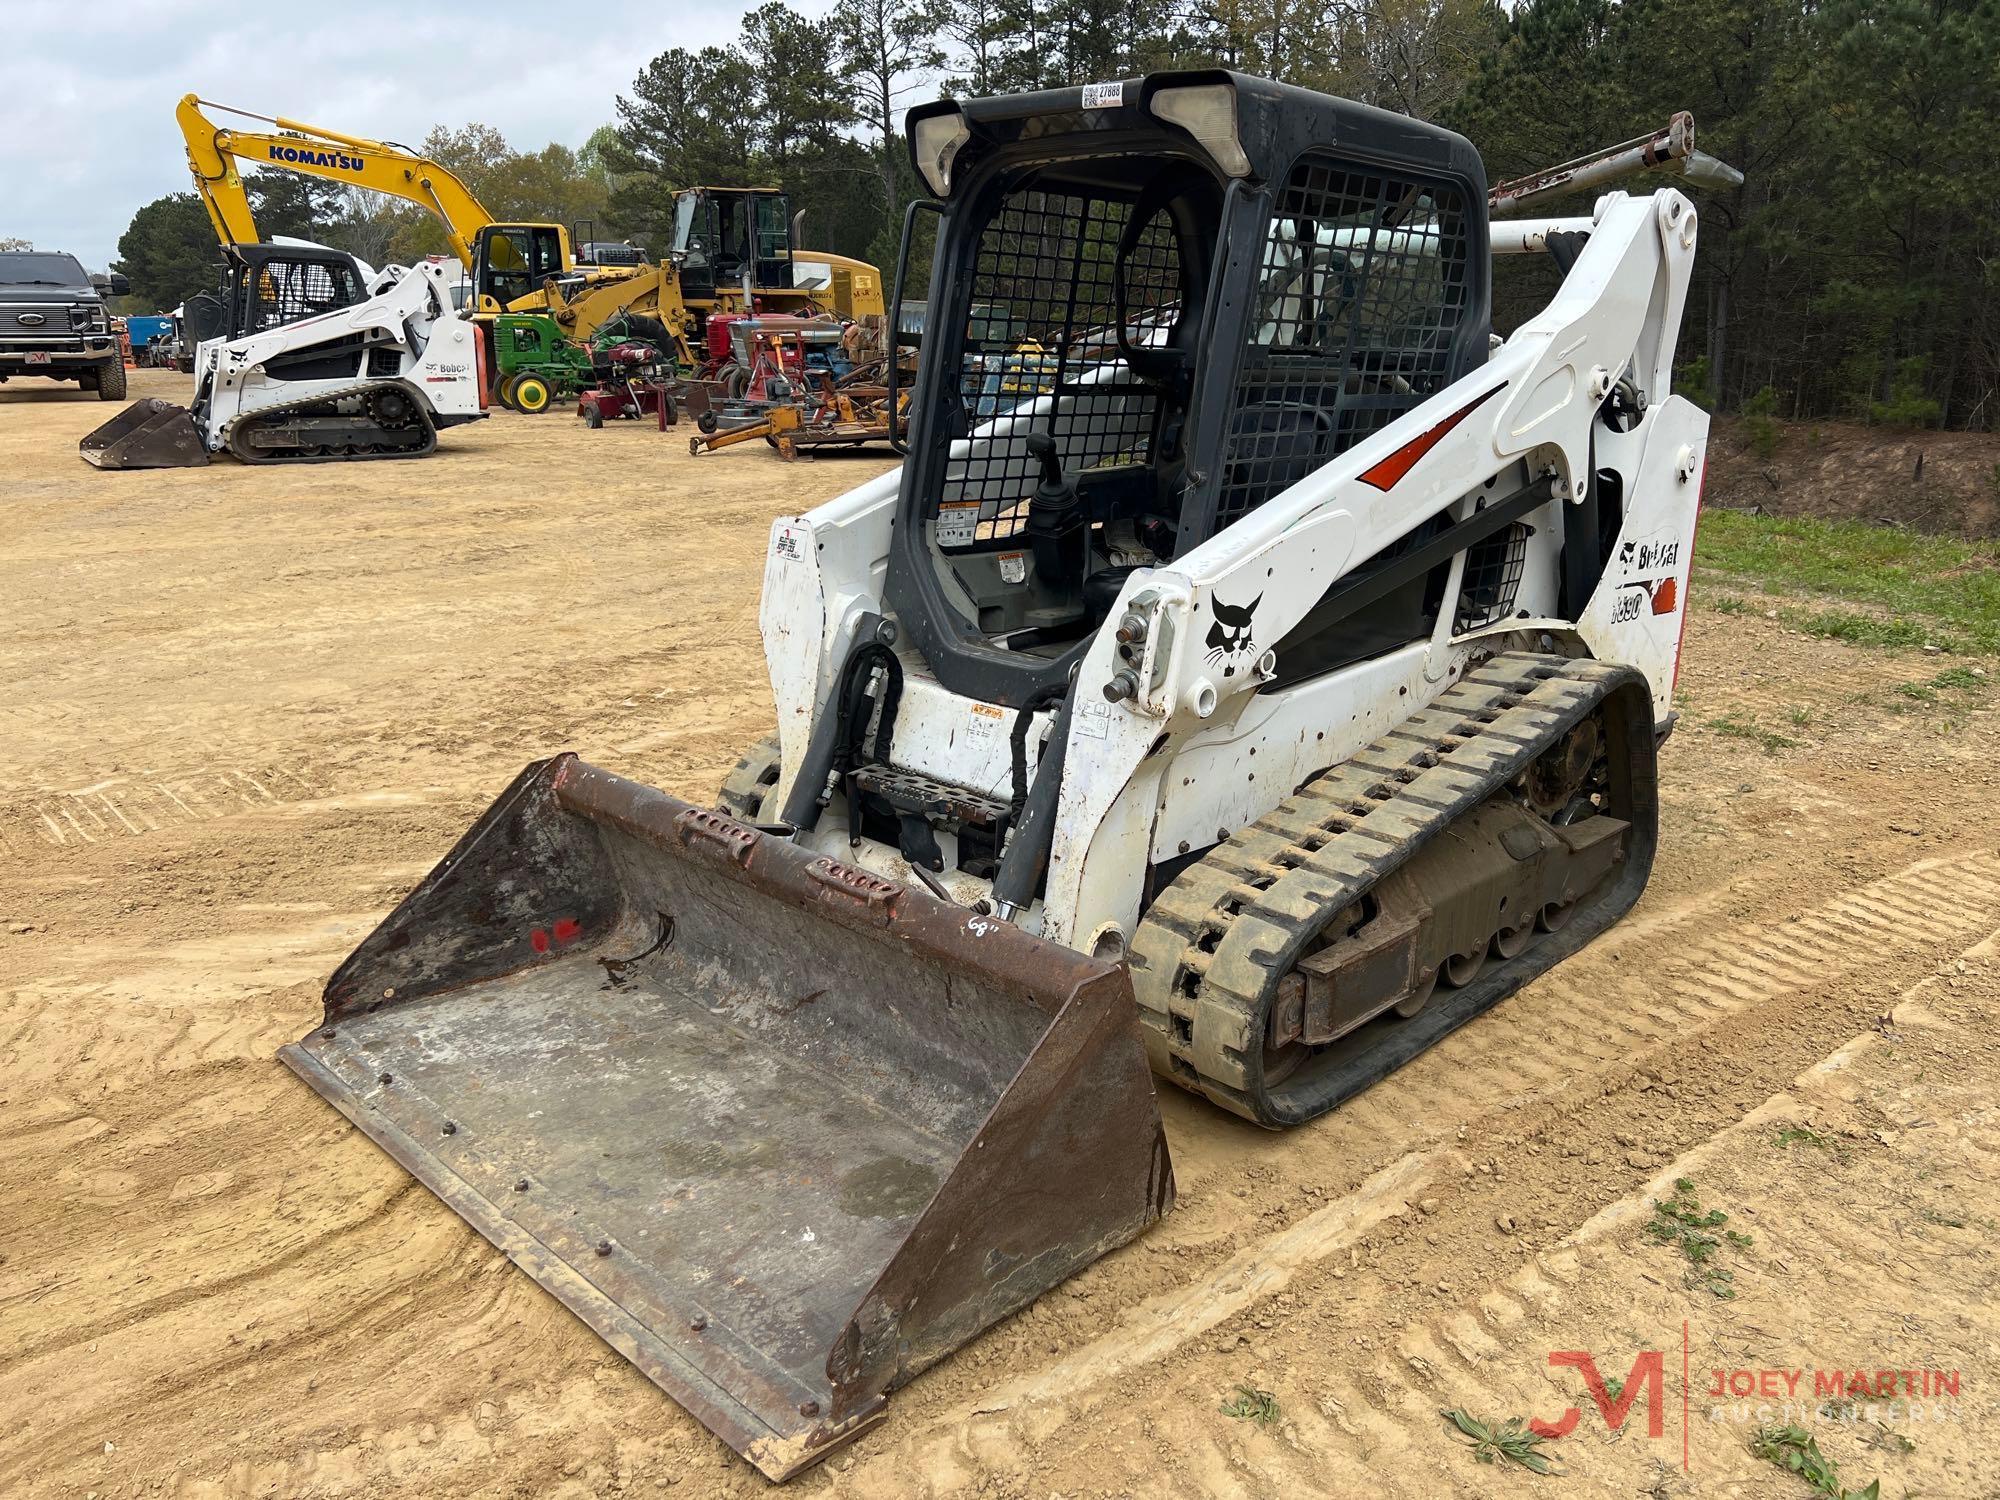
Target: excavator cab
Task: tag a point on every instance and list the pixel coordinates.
(512, 263)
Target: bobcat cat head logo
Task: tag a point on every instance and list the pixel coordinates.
(1229, 637)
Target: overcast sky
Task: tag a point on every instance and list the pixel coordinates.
(87, 131)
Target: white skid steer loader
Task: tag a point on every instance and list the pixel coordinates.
(1254, 671)
(306, 359)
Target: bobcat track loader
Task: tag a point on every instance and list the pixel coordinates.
(307, 359)
(1253, 682)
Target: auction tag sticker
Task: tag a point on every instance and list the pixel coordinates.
(1013, 567)
(958, 523)
(790, 543)
(1103, 95)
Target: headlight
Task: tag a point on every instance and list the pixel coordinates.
(937, 140)
(1206, 111)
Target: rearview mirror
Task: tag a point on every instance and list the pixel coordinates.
(202, 315)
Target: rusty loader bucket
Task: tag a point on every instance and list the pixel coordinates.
(149, 434)
(784, 1133)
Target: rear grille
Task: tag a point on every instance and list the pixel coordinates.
(1492, 578)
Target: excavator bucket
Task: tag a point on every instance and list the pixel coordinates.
(783, 1132)
(149, 434)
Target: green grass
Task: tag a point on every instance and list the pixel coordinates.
(1250, 1404)
(1915, 589)
(1680, 1221)
(1805, 1135)
(1796, 1451)
(1510, 1440)
(1945, 698)
(1738, 728)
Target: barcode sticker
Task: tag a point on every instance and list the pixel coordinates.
(1103, 95)
(958, 523)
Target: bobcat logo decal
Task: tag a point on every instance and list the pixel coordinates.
(1229, 639)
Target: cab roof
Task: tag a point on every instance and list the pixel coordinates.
(1274, 123)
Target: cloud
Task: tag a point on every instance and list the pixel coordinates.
(87, 133)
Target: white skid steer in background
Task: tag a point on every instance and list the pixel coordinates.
(1255, 671)
(304, 359)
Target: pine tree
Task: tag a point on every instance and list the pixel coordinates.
(168, 252)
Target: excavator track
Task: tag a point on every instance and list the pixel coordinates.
(357, 436)
(1404, 891)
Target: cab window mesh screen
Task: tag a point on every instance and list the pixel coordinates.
(285, 291)
(1364, 281)
(1041, 353)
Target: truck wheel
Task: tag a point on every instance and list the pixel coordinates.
(111, 381)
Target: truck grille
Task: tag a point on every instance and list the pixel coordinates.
(31, 319)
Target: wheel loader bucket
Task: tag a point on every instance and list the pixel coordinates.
(782, 1132)
(149, 434)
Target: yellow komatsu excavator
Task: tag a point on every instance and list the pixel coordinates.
(532, 267)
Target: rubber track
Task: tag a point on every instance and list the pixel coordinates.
(286, 408)
(1228, 928)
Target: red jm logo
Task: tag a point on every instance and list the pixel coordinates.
(1647, 1378)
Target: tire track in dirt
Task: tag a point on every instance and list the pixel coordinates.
(1496, 1362)
(1387, 1407)
(124, 807)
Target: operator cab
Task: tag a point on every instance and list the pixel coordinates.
(268, 285)
(1154, 306)
(514, 261)
(722, 235)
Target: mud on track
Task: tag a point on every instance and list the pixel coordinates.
(246, 708)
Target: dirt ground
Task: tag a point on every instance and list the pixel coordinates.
(246, 709)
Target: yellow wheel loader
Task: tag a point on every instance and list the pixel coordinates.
(1266, 688)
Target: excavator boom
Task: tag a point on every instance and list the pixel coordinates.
(351, 160)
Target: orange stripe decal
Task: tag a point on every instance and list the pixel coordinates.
(1386, 474)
